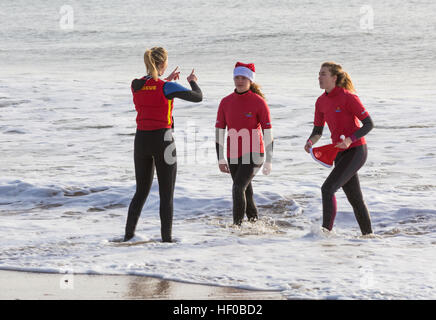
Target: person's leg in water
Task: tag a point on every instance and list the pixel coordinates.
(166, 169)
(354, 195)
(347, 164)
(251, 209)
(242, 174)
(144, 172)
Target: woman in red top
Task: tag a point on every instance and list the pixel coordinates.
(154, 143)
(342, 110)
(246, 115)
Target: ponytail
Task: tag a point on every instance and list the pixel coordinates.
(153, 58)
(255, 88)
(343, 78)
(344, 81)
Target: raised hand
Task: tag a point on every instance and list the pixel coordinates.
(224, 167)
(173, 75)
(267, 168)
(344, 144)
(308, 146)
(192, 77)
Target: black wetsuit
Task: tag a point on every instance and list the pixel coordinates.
(344, 175)
(156, 149)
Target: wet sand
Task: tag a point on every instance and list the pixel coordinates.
(49, 286)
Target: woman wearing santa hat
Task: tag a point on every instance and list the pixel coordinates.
(342, 110)
(154, 143)
(246, 116)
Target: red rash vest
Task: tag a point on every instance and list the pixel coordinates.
(342, 111)
(154, 109)
(244, 115)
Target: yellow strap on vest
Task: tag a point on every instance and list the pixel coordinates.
(169, 112)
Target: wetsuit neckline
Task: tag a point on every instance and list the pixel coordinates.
(333, 92)
(241, 93)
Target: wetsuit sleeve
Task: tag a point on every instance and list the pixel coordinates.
(220, 118)
(220, 126)
(219, 143)
(318, 123)
(316, 134)
(264, 117)
(269, 144)
(319, 120)
(356, 107)
(367, 127)
(174, 90)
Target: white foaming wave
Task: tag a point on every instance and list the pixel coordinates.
(20, 196)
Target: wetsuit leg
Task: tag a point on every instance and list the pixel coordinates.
(251, 209)
(354, 196)
(242, 174)
(347, 164)
(233, 167)
(150, 147)
(144, 172)
(166, 175)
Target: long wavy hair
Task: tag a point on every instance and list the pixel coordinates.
(343, 78)
(255, 88)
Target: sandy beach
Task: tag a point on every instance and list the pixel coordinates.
(49, 286)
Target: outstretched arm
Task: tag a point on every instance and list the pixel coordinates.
(174, 90)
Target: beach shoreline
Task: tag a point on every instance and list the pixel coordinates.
(24, 285)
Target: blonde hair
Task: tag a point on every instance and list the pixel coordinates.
(343, 78)
(255, 88)
(153, 58)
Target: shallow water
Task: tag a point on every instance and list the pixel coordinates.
(67, 126)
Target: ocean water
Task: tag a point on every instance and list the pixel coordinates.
(67, 126)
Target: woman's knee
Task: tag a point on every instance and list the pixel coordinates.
(140, 194)
(327, 190)
(356, 201)
(239, 188)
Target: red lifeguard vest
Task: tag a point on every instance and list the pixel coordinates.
(154, 109)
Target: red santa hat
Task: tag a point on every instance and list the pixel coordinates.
(244, 69)
(325, 155)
